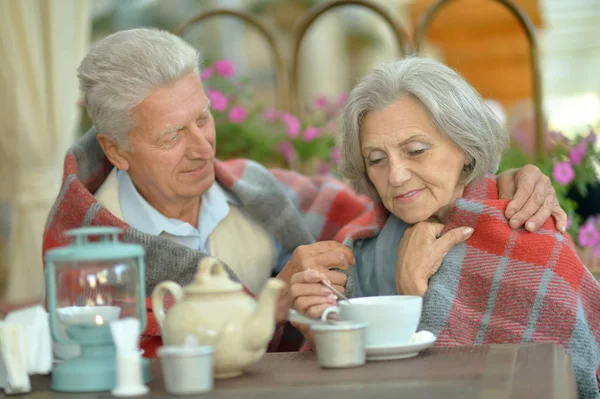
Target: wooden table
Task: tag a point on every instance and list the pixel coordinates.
(491, 371)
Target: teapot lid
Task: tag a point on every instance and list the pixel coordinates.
(211, 277)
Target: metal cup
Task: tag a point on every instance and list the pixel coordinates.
(187, 370)
(340, 345)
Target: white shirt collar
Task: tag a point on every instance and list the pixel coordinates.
(139, 214)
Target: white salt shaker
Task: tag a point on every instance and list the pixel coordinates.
(126, 333)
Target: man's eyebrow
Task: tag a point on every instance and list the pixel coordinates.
(207, 106)
(176, 128)
(171, 130)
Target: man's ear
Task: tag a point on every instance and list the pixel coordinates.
(115, 154)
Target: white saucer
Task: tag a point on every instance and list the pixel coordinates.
(386, 352)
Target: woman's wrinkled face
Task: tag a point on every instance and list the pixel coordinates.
(173, 142)
(415, 169)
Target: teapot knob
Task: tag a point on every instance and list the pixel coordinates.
(208, 267)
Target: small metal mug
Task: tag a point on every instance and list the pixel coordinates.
(340, 344)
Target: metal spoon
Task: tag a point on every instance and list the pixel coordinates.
(336, 292)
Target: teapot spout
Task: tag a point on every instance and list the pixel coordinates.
(260, 325)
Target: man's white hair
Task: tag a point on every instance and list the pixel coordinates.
(120, 71)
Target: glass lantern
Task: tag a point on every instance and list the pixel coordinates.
(89, 284)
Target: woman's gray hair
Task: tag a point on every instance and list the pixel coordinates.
(119, 72)
(456, 109)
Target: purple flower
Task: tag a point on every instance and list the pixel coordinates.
(206, 73)
(292, 124)
(588, 234)
(270, 114)
(563, 173)
(569, 223)
(238, 114)
(321, 102)
(287, 150)
(323, 169)
(577, 153)
(311, 133)
(592, 138)
(224, 68)
(217, 99)
(335, 154)
(557, 137)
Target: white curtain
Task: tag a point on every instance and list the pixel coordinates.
(41, 45)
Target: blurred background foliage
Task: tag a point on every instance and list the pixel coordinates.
(239, 78)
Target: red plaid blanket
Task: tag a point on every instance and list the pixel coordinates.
(297, 210)
(507, 286)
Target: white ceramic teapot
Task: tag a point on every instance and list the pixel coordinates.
(218, 312)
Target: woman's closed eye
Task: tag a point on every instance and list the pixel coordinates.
(374, 161)
(414, 153)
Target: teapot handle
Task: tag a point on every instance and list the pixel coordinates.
(158, 294)
(208, 267)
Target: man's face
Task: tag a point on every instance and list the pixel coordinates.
(173, 143)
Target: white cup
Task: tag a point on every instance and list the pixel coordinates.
(187, 370)
(391, 320)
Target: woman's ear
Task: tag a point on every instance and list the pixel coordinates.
(469, 164)
(115, 154)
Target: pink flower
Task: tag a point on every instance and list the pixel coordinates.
(287, 150)
(323, 169)
(270, 114)
(577, 153)
(335, 154)
(321, 102)
(588, 234)
(563, 173)
(569, 223)
(237, 114)
(292, 124)
(596, 252)
(310, 134)
(332, 125)
(206, 73)
(342, 99)
(224, 68)
(217, 99)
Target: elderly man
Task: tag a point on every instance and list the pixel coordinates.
(149, 167)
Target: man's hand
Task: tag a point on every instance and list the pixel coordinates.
(318, 258)
(533, 199)
(421, 252)
(309, 296)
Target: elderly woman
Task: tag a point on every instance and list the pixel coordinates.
(420, 140)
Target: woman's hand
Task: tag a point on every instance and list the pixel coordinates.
(533, 199)
(309, 296)
(421, 252)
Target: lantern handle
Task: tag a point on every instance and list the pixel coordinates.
(51, 281)
(105, 233)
